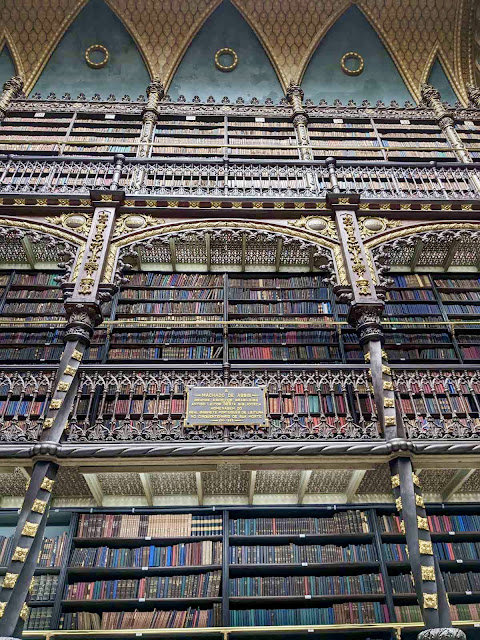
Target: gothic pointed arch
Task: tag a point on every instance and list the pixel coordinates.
(380, 79)
(438, 79)
(33, 46)
(198, 72)
(237, 245)
(163, 30)
(430, 247)
(68, 71)
(7, 64)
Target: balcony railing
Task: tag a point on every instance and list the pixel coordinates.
(23, 175)
(140, 405)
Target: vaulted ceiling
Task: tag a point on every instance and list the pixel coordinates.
(414, 32)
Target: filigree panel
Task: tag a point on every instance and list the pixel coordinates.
(70, 484)
(12, 484)
(277, 481)
(376, 481)
(227, 480)
(175, 483)
(328, 481)
(472, 485)
(120, 484)
(435, 480)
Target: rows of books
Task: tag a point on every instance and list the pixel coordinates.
(98, 525)
(307, 585)
(51, 554)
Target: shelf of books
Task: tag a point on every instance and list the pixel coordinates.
(48, 576)
(247, 567)
(406, 140)
(263, 138)
(189, 136)
(343, 138)
(34, 132)
(34, 300)
(469, 134)
(96, 134)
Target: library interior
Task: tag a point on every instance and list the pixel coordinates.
(239, 319)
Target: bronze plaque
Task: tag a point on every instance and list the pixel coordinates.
(226, 406)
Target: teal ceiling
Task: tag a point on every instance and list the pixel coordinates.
(198, 75)
(380, 79)
(67, 71)
(438, 78)
(7, 68)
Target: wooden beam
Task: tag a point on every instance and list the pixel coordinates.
(299, 466)
(173, 254)
(353, 484)
(27, 473)
(27, 247)
(199, 480)
(95, 489)
(416, 255)
(209, 251)
(303, 484)
(153, 468)
(451, 254)
(252, 478)
(456, 483)
(146, 481)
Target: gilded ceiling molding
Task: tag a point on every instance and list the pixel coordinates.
(420, 228)
(160, 230)
(290, 30)
(465, 48)
(36, 28)
(433, 26)
(163, 30)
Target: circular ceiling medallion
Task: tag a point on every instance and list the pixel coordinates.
(316, 224)
(229, 53)
(94, 49)
(75, 221)
(350, 69)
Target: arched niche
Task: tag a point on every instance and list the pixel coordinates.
(219, 246)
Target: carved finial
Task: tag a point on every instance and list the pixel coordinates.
(294, 89)
(155, 86)
(210, 100)
(240, 100)
(225, 100)
(268, 102)
(181, 98)
(66, 96)
(15, 83)
(429, 94)
(473, 93)
(196, 99)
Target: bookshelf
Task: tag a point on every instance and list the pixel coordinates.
(189, 136)
(262, 138)
(96, 134)
(246, 566)
(35, 132)
(407, 140)
(354, 138)
(468, 132)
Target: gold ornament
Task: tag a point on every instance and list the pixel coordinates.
(419, 501)
(428, 573)
(402, 527)
(425, 547)
(77, 355)
(422, 523)
(226, 51)
(63, 386)
(388, 385)
(55, 403)
(48, 423)
(415, 479)
(9, 580)
(398, 504)
(97, 65)
(29, 529)
(24, 611)
(69, 371)
(390, 421)
(2, 608)
(47, 484)
(388, 403)
(395, 481)
(39, 506)
(386, 370)
(430, 601)
(20, 554)
(352, 55)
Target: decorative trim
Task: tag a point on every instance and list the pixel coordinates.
(102, 49)
(29, 529)
(390, 421)
(77, 355)
(422, 523)
(10, 580)
(226, 51)
(348, 56)
(39, 506)
(419, 501)
(428, 574)
(430, 601)
(56, 403)
(47, 484)
(425, 547)
(395, 481)
(70, 371)
(3, 606)
(63, 386)
(398, 504)
(48, 423)
(20, 554)
(24, 611)
(389, 403)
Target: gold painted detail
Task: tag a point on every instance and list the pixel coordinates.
(69, 371)
(63, 386)
(39, 506)
(47, 484)
(395, 481)
(320, 224)
(388, 385)
(77, 355)
(48, 423)
(56, 403)
(353, 248)
(223, 52)
(416, 480)
(32, 585)
(390, 421)
(398, 504)
(24, 611)
(29, 529)
(92, 263)
(352, 55)
(430, 601)
(363, 286)
(419, 501)
(9, 580)
(79, 222)
(370, 226)
(367, 356)
(3, 606)
(97, 65)
(425, 547)
(20, 554)
(402, 527)
(428, 573)
(422, 523)
(386, 370)
(384, 355)
(388, 403)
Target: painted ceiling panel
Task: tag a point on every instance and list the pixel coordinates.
(7, 67)
(439, 80)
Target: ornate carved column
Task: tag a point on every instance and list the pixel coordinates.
(83, 301)
(431, 97)
(429, 585)
(300, 122)
(366, 307)
(155, 93)
(11, 89)
(473, 93)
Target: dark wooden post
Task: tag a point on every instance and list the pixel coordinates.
(83, 300)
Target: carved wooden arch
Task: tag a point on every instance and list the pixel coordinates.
(326, 246)
(74, 244)
(380, 247)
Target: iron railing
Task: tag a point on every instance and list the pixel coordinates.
(44, 175)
